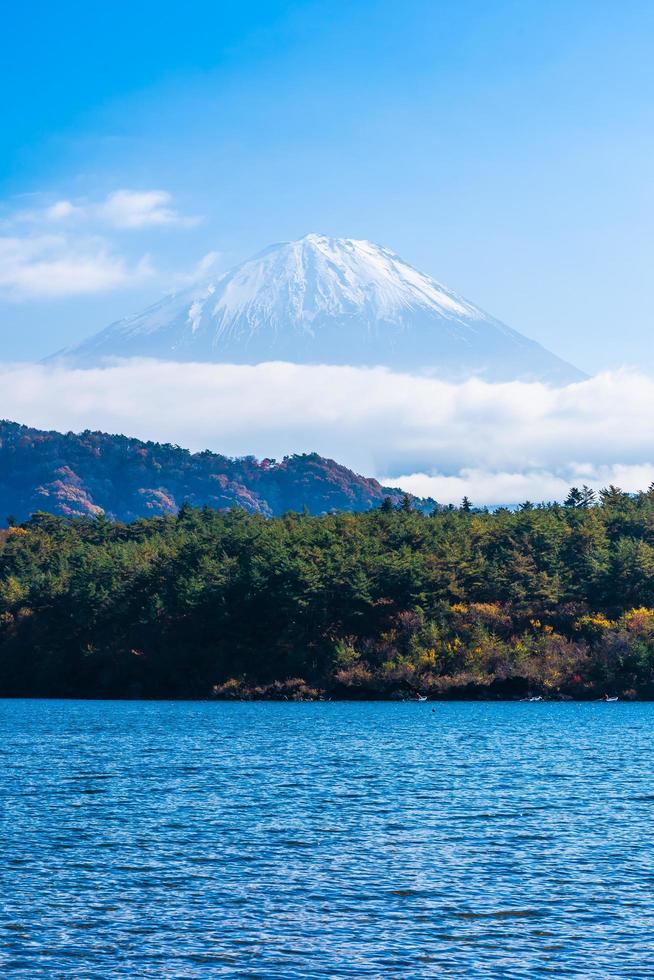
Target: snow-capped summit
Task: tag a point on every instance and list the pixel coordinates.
(326, 300)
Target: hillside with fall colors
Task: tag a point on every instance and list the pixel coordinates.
(94, 473)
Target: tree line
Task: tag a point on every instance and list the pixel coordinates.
(549, 599)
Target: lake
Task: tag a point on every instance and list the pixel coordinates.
(263, 840)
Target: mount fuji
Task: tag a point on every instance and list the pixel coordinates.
(326, 300)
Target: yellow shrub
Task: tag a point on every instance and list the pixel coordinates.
(12, 591)
(427, 659)
(594, 623)
(639, 620)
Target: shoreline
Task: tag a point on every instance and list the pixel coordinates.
(259, 699)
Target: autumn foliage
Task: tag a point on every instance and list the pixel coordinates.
(557, 600)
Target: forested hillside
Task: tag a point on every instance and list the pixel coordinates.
(556, 600)
(94, 473)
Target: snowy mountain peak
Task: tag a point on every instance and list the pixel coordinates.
(298, 282)
(331, 301)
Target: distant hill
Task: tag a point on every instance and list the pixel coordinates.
(325, 300)
(93, 473)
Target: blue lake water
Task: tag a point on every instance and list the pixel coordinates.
(326, 840)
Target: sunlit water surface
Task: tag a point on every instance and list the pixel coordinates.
(326, 840)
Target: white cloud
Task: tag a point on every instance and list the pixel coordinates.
(44, 266)
(499, 443)
(122, 209)
(487, 487)
(140, 209)
(61, 211)
(56, 250)
(208, 264)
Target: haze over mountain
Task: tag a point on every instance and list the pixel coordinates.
(326, 300)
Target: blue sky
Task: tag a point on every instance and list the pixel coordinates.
(504, 147)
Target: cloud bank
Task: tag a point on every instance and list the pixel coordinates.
(497, 443)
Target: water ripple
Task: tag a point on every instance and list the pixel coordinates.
(326, 840)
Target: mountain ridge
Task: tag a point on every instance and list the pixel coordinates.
(93, 473)
(329, 301)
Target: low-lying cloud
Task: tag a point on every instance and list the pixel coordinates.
(497, 443)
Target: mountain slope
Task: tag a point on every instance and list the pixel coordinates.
(331, 301)
(94, 473)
